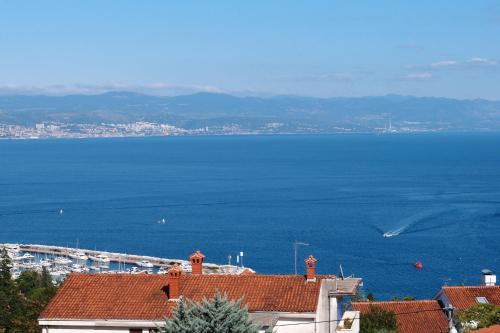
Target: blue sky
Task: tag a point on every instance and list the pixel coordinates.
(259, 47)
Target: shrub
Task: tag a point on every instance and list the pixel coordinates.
(377, 320)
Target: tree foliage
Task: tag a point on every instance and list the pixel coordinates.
(218, 315)
(378, 320)
(483, 314)
(22, 300)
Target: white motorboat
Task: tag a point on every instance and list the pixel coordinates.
(162, 270)
(186, 267)
(75, 268)
(45, 262)
(78, 255)
(24, 257)
(100, 258)
(62, 261)
(144, 263)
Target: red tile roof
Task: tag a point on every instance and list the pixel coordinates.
(412, 316)
(463, 297)
(491, 329)
(140, 297)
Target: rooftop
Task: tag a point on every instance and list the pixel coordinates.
(424, 316)
(463, 297)
(142, 297)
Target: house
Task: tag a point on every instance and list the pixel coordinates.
(112, 303)
(463, 297)
(425, 316)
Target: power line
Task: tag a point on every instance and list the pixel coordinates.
(338, 320)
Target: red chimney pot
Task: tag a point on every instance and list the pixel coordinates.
(310, 266)
(197, 262)
(174, 283)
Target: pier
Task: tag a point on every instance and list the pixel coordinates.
(120, 258)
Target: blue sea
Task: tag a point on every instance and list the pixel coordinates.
(439, 193)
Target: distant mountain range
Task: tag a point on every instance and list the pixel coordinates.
(283, 113)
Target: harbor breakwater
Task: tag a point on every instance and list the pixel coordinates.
(119, 258)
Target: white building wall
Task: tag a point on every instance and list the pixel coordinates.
(329, 311)
(88, 330)
(89, 326)
(295, 325)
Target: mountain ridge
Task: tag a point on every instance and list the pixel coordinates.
(295, 113)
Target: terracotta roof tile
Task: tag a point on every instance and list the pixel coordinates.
(463, 297)
(140, 297)
(412, 316)
(491, 329)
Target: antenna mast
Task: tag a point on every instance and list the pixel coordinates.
(296, 245)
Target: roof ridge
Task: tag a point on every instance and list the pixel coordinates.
(458, 287)
(401, 301)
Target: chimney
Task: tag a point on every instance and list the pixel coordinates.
(174, 282)
(489, 279)
(197, 262)
(310, 266)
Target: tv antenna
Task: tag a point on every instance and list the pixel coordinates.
(296, 245)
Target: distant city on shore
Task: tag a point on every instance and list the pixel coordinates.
(127, 114)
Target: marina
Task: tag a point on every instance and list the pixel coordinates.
(60, 261)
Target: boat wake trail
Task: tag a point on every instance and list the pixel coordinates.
(408, 224)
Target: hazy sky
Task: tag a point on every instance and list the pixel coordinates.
(319, 48)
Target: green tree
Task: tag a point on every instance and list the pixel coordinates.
(8, 301)
(218, 315)
(483, 314)
(22, 300)
(378, 320)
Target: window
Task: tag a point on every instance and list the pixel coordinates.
(482, 300)
(135, 330)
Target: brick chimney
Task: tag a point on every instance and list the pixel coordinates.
(197, 262)
(310, 266)
(174, 282)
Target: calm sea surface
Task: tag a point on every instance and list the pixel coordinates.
(223, 195)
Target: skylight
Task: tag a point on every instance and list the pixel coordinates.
(482, 300)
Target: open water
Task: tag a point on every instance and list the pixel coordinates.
(440, 195)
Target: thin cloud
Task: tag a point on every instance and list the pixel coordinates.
(481, 62)
(158, 88)
(335, 77)
(444, 63)
(422, 76)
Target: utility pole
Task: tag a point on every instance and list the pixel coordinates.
(296, 245)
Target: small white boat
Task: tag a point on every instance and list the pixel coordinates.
(100, 258)
(79, 255)
(24, 257)
(79, 268)
(186, 267)
(144, 263)
(162, 270)
(45, 262)
(389, 234)
(62, 261)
